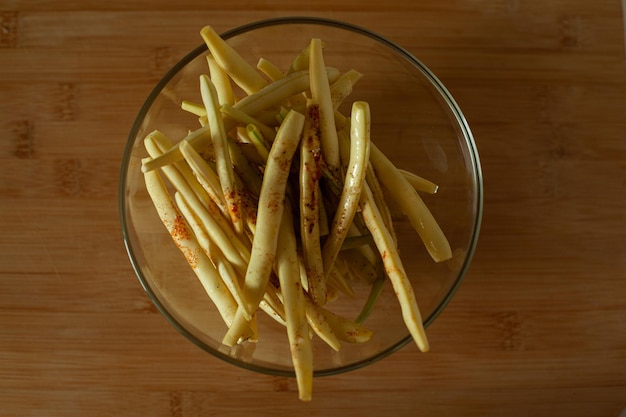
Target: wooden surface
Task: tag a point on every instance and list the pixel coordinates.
(537, 329)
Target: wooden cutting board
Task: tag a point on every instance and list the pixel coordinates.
(536, 328)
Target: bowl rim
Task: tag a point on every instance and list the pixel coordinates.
(319, 21)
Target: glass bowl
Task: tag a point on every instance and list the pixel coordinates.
(415, 122)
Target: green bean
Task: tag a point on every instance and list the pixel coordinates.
(188, 245)
(353, 184)
(412, 205)
(244, 75)
(310, 204)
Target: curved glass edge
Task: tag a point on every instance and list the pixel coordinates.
(458, 114)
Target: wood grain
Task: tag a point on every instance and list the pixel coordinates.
(536, 328)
